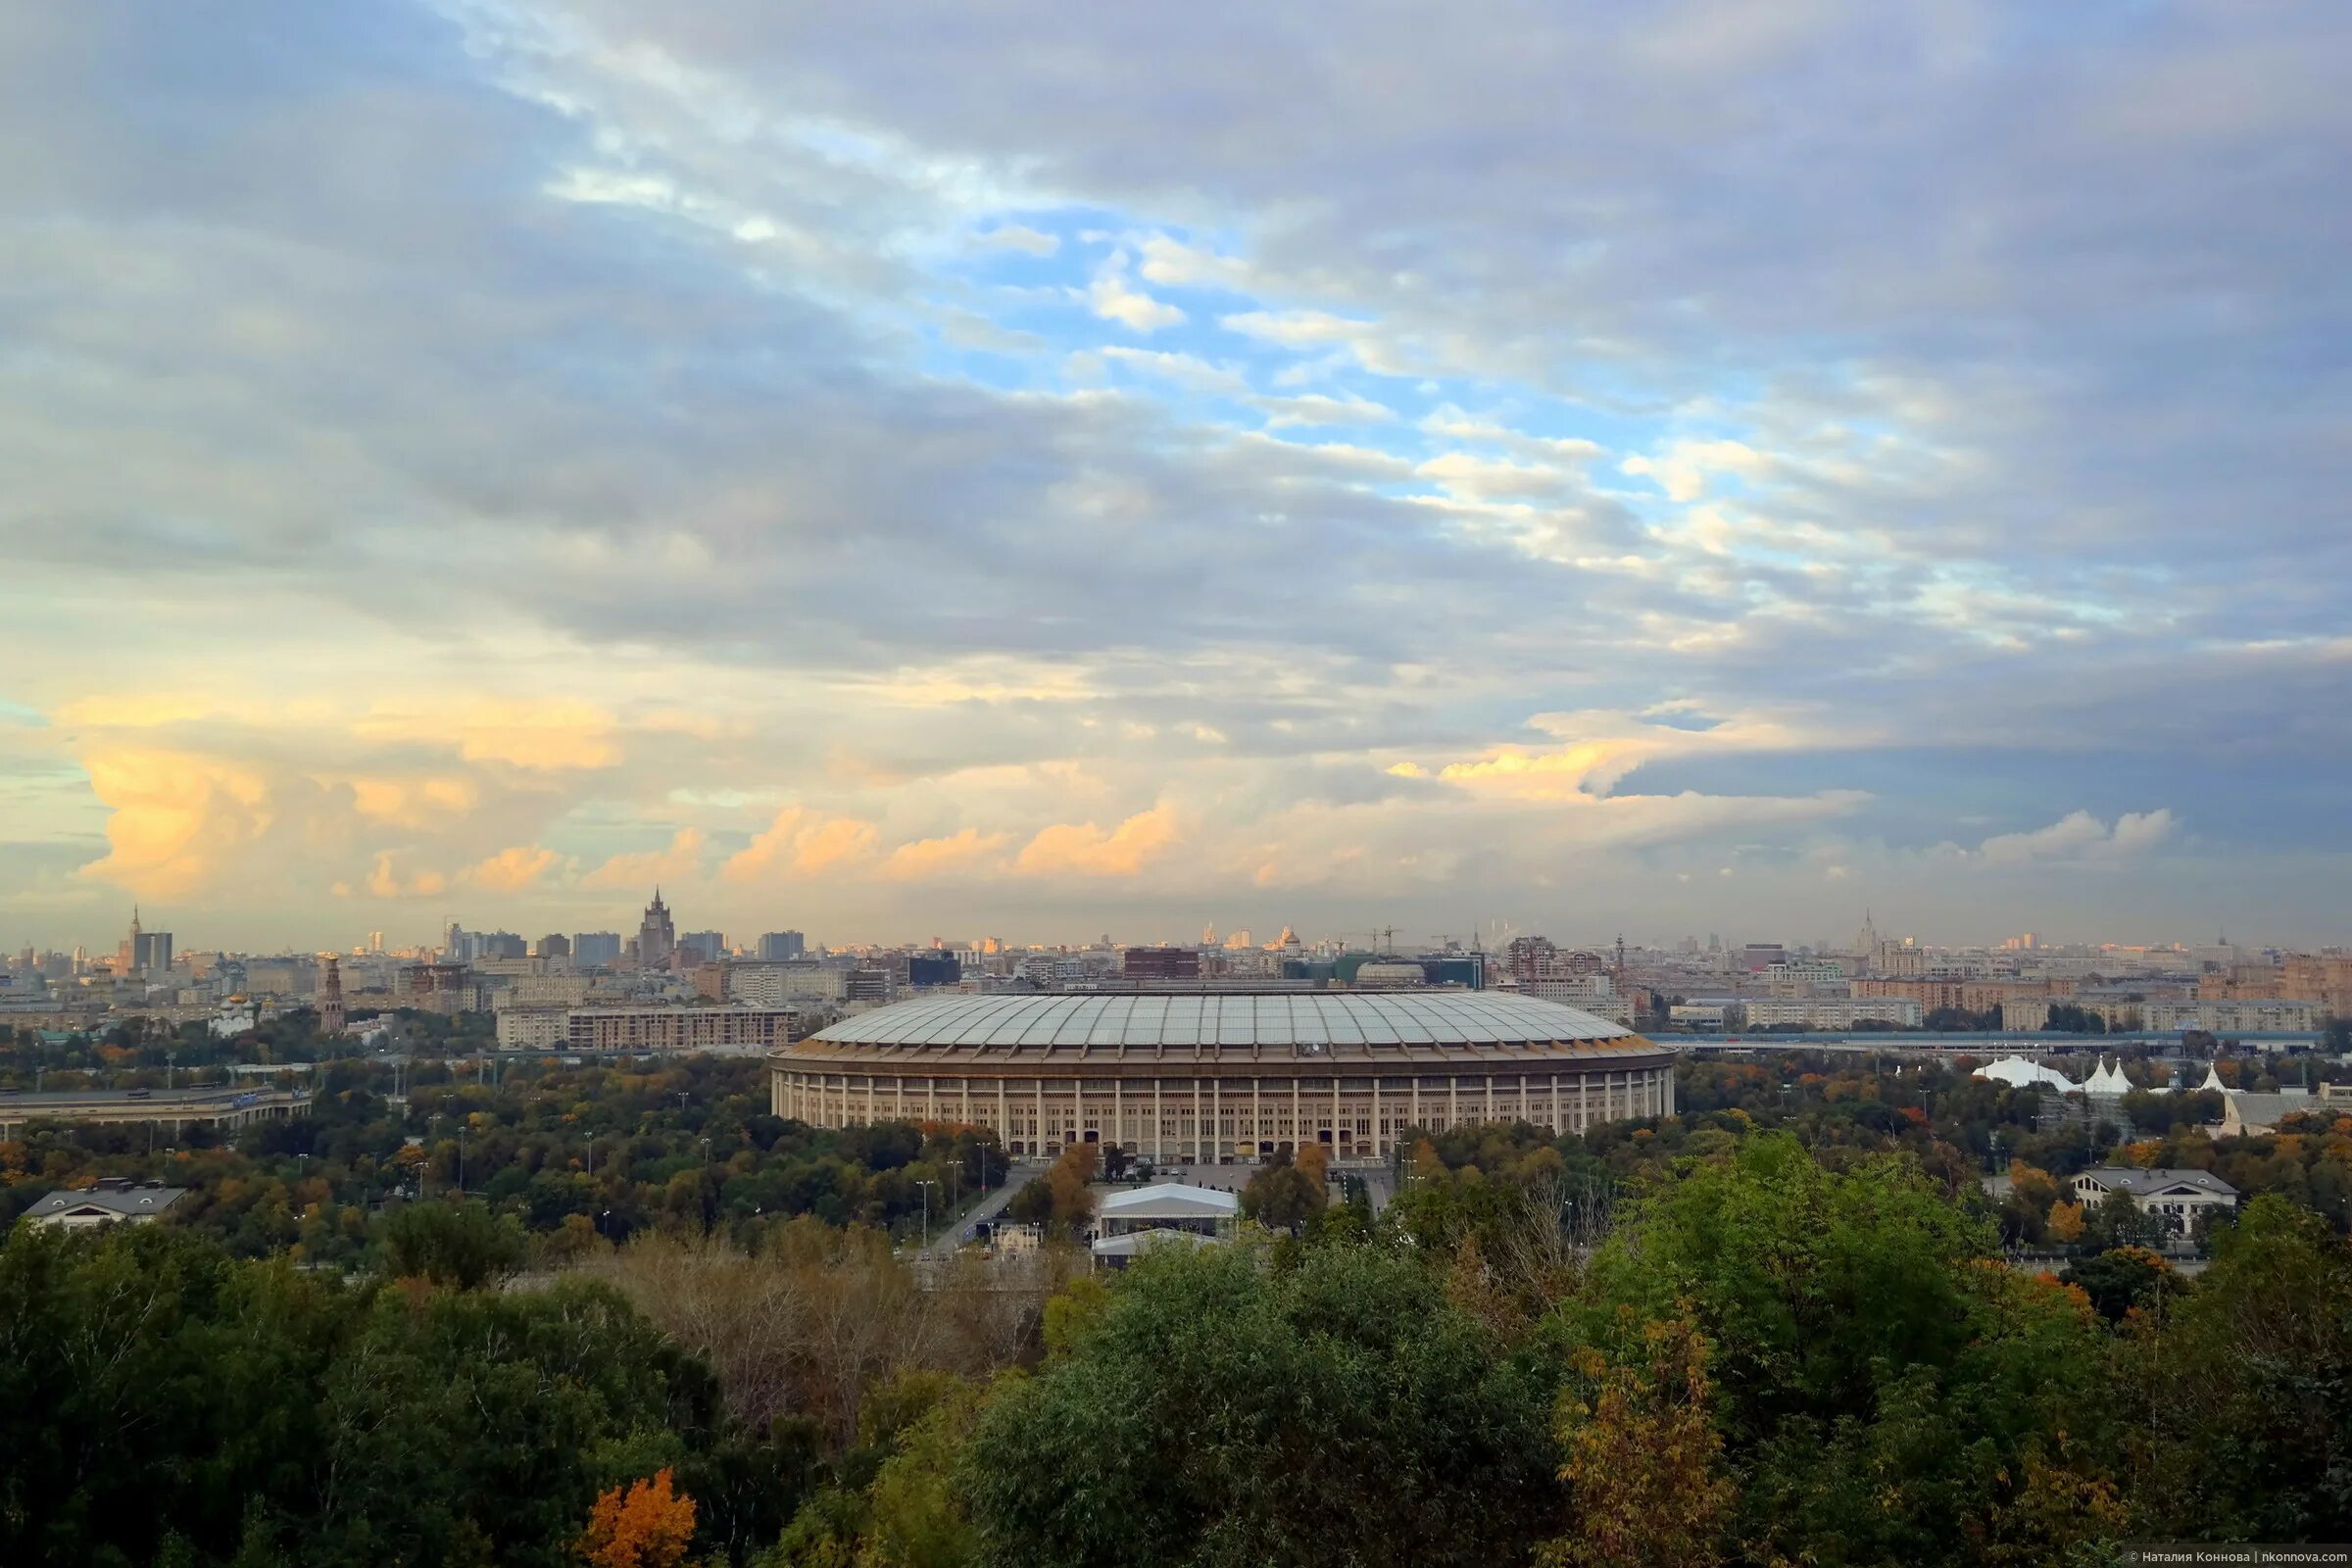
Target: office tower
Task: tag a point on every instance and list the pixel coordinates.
(555, 945)
(780, 947)
(596, 949)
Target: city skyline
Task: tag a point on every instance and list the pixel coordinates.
(1672, 468)
(625, 926)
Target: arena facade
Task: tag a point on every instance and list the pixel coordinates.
(1222, 1077)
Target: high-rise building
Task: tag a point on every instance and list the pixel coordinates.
(555, 945)
(501, 945)
(595, 949)
(656, 936)
(126, 959)
(712, 944)
(1160, 963)
(937, 969)
(151, 951)
(781, 947)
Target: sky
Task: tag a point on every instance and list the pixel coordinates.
(1034, 469)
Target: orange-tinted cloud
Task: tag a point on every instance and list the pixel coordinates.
(386, 882)
(510, 871)
(412, 802)
(928, 858)
(177, 818)
(681, 861)
(800, 843)
(549, 736)
(1081, 849)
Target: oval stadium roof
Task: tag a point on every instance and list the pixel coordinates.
(1307, 1020)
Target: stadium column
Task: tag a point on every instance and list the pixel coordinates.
(1376, 1138)
(1216, 1127)
(1335, 1114)
(1155, 1121)
(1118, 1126)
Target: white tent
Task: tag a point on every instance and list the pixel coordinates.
(2018, 1072)
(2108, 1080)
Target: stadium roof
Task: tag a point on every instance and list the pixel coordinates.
(1308, 1022)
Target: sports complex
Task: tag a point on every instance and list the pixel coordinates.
(1222, 1077)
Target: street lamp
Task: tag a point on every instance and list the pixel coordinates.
(926, 1186)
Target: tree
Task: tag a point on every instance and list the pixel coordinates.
(2251, 1402)
(2124, 1280)
(1881, 1378)
(1060, 1201)
(451, 1244)
(1338, 1412)
(1281, 1197)
(2065, 1223)
(649, 1526)
(1644, 1462)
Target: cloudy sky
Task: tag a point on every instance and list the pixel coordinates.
(1036, 469)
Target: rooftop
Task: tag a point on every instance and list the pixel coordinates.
(114, 1197)
(1310, 1021)
(2142, 1183)
(1170, 1200)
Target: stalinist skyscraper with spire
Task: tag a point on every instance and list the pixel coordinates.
(657, 935)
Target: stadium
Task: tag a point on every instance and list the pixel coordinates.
(1222, 1077)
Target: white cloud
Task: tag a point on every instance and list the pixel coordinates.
(1180, 266)
(2080, 836)
(1114, 299)
(1019, 237)
(1315, 408)
(1187, 370)
(1489, 479)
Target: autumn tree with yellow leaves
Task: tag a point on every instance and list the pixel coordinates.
(648, 1525)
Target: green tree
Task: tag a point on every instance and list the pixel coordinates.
(1643, 1461)
(2251, 1401)
(2123, 1280)
(1881, 1381)
(1217, 1413)
(462, 1243)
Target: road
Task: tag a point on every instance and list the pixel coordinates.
(987, 1209)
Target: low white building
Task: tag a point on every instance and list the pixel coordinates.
(2175, 1197)
(1167, 1205)
(115, 1201)
(1131, 1221)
